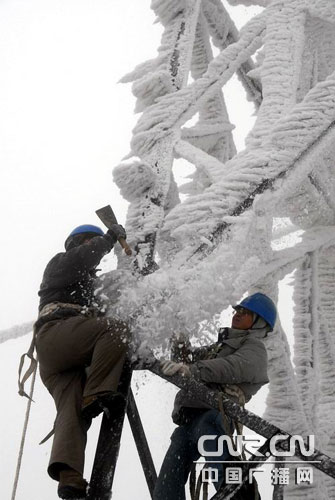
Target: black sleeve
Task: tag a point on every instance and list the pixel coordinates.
(68, 267)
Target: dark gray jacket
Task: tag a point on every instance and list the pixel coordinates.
(69, 276)
(238, 357)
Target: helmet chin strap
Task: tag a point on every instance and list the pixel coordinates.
(258, 323)
(254, 319)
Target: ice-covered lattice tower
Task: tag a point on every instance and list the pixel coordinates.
(249, 218)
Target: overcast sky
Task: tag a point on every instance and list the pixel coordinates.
(65, 123)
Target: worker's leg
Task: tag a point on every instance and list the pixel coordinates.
(176, 466)
(68, 449)
(108, 358)
(64, 349)
(78, 342)
(210, 423)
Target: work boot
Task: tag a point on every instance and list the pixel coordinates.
(95, 404)
(71, 485)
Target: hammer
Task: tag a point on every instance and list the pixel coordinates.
(107, 216)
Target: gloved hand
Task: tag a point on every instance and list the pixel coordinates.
(117, 231)
(170, 368)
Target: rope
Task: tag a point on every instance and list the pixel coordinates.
(24, 433)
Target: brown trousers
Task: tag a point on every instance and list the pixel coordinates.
(65, 348)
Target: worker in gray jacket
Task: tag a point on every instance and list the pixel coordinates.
(235, 364)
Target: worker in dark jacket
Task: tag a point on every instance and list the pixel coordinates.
(235, 364)
(81, 353)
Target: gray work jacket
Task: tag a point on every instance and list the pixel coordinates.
(239, 357)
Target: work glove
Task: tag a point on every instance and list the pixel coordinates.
(116, 231)
(170, 368)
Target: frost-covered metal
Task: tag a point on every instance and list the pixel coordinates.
(203, 251)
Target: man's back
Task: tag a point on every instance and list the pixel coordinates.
(69, 276)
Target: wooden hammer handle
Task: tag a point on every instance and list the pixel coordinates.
(125, 246)
(107, 216)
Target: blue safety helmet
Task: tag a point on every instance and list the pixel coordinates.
(261, 305)
(85, 228)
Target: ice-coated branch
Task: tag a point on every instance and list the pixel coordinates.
(247, 418)
(173, 110)
(16, 331)
(288, 259)
(224, 33)
(324, 9)
(200, 159)
(294, 147)
(213, 132)
(147, 210)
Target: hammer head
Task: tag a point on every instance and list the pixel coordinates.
(106, 215)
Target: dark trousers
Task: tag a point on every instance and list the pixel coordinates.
(183, 451)
(65, 348)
